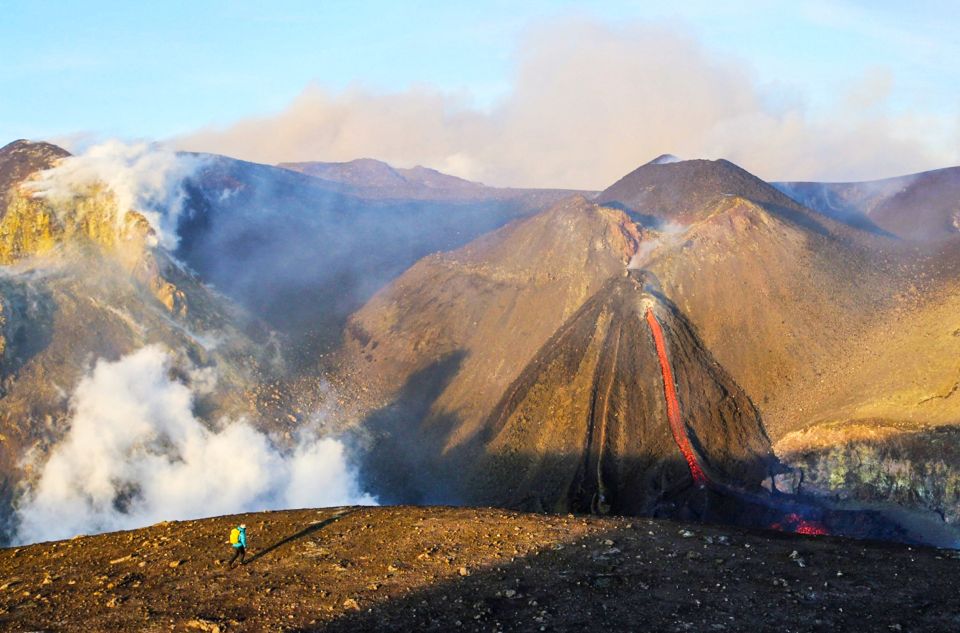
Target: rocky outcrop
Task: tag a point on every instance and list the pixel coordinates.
(878, 461)
(20, 159)
(84, 279)
(90, 221)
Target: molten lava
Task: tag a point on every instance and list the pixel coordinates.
(793, 522)
(673, 406)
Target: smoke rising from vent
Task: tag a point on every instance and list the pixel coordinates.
(135, 454)
(144, 177)
(665, 233)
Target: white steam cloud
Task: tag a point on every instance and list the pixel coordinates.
(590, 102)
(144, 177)
(135, 454)
(666, 233)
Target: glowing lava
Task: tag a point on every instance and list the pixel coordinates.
(793, 522)
(673, 406)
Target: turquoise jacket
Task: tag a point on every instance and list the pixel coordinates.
(242, 541)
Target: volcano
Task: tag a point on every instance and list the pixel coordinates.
(518, 370)
(676, 345)
(489, 307)
(669, 189)
(593, 422)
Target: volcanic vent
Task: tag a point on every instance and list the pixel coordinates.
(587, 425)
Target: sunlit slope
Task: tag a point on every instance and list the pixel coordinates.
(445, 340)
(773, 299)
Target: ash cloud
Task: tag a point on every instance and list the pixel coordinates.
(590, 102)
(144, 177)
(135, 454)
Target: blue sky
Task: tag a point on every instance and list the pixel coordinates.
(165, 69)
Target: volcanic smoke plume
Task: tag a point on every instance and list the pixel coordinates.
(136, 454)
(144, 177)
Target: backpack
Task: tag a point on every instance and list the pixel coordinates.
(234, 536)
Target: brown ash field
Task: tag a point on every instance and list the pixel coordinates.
(460, 569)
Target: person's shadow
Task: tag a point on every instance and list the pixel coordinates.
(310, 529)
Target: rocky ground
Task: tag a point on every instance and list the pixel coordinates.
(448, 569)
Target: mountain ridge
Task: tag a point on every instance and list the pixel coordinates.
(916, 207)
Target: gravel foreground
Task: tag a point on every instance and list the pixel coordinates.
(452, 569)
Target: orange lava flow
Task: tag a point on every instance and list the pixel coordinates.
(673, 406)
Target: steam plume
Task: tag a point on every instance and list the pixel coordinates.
(144, 177)
(135, 454)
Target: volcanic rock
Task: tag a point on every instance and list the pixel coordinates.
(544, 574)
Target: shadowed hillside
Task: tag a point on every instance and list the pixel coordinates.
(303, 252)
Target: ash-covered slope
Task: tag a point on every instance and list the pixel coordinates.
(436, 349)
(773, 288)
(918, 207)
(680, 190)
(773, 299)
(585, 426)
(471, 569)
(374, 178)
(303, 252)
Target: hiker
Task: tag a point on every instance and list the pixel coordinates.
(238, 539)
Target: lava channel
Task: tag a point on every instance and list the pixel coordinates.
(673, 406)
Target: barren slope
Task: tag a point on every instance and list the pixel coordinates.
(439, 346)
(439, 569)
(684, 191)
(585, 426)
(773, 300)
(915, 207)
